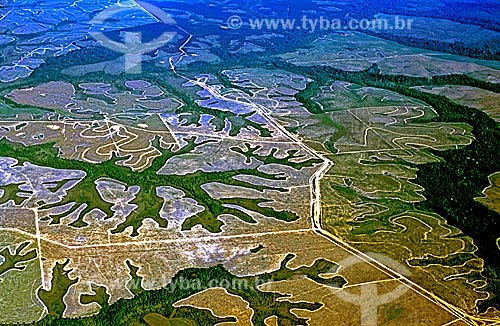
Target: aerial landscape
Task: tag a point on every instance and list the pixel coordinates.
(250, 162)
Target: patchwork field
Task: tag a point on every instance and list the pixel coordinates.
(481, 99)
(249, 176)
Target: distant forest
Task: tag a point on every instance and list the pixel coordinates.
(480, 13)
